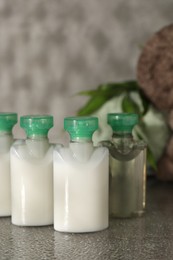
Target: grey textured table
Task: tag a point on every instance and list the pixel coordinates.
(149, 237)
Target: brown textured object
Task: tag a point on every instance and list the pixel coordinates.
(155, 69)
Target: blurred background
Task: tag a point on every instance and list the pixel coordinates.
(52, 49)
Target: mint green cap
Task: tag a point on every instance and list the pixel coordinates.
(122, 122)
(36, 124)
(81, 127)
(7, 121)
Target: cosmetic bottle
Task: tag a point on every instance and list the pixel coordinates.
(32, 173)
(80, 180)
(127, 159)
(7, 121)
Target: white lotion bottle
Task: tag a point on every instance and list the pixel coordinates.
(32, 173)
(81, 180)
(7, 121)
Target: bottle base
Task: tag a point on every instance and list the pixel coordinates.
(29, 224)
(129, 215)
(25, 225)
(79, 231)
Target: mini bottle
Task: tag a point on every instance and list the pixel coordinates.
(127, 167)
(81, 180)
(32, 173)
(7, 121)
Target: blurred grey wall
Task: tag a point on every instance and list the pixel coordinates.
(51, 49)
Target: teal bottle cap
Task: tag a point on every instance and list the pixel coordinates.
(7, 121)
(81, 127)
(35, 125)
(122, 122)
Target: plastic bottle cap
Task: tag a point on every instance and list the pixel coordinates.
(122, 122)
(7, 121)
(81, 127)
(36, 124)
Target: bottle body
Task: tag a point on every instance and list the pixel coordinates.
(127, 178)
(6, 140)
(80, 188)
(32, 182)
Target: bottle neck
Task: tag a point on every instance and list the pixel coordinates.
(37, 145)
(123, 142)
(122, 135)
(82, 149)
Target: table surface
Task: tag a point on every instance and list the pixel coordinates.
(148, 237)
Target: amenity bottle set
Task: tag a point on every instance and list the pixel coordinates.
(75, 187)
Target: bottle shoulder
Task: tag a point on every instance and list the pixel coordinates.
(59, 148)
(65, 155)
(125, 150)
(118, 144)
(31, 150)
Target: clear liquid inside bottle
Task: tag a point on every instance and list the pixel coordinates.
(127, 190)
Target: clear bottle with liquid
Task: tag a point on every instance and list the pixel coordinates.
(127, 159)
(81, 180)
(32, 173)
(7, 122)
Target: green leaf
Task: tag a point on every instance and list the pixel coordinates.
(92, 105)
(129, 105)
(145, 103)
(111, 88)
(103, 93)
(88, 93)
(127, 85)
(115, 89)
